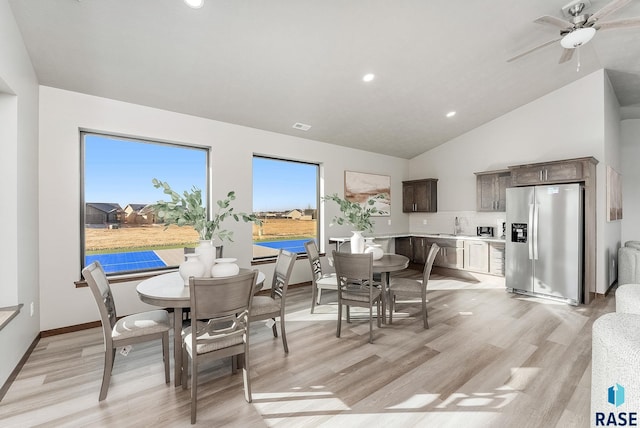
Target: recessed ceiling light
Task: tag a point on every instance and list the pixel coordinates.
(368, 77)
(451, 114)
(196, 4)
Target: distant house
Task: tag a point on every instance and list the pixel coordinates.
(103, 213)
(295, 214)
(139, 214)
(310, 213)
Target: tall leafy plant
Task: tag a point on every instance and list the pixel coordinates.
(356, 214)
(186, 209)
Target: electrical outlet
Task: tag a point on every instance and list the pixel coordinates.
(424, 222)
(125, 350)
(32, 309)
(389, 222)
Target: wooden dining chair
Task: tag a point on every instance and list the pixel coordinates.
(220, 313)
(273, 306)
(407, 287)
(319, 280)
(356, 287)
(136, 328)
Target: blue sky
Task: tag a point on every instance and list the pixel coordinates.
(120, 170)
(298, 179)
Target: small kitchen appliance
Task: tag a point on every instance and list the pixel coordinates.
(485, 231)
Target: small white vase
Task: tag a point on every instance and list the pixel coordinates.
(376, 249)
(357, 242)
(207, 253)
(191, 267)
(225, 267)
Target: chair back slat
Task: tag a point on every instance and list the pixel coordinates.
(99, 284)
(282, 274)
(216, 297)
(353, 270)
(314, 258)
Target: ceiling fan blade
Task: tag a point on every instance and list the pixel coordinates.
(607, 10)
(566, 55)
(552, 20)
(621, 23)
(534, 49)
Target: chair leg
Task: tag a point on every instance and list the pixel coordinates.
(234, 364)
(109, 356)
(314, 293)
(425, 314)
(165, 357)
(319, 296)
(380, 305)
(194, 391)
(392, 303)
(348, 314)
(184, 370)
(371, 323)
(284, 334)
(274, 328)
(339, 319)
(246, 378)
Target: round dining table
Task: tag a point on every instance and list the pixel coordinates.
(168, 291)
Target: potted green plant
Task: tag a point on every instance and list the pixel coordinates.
(186, 209)
(357, 215)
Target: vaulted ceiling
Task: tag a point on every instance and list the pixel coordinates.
(269, 64)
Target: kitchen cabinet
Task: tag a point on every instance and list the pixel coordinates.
(420, 196)
(564, 171)
(491, 190)
(496, 258)
(476, 256)
(414, 247)
(451, 254)
(404, 247)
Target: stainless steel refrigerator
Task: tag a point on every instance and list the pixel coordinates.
(544, 241)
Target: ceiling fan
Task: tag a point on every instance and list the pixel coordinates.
(579, 28)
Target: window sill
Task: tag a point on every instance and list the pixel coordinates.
(114, 279)
(9, 313)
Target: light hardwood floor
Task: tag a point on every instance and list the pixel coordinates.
(490, 359)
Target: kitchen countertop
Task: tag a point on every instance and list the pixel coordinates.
(421, 235)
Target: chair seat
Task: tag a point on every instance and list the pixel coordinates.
(264, 305)
(141, 324)
(406, 286)
(359, 294)
(214, 342)
(328, 281)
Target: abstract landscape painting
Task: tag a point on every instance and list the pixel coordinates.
(360, 186)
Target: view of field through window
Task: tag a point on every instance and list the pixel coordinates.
(119, 229)
(285, 198)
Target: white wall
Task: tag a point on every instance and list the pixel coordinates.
(62, 113)
(566, 123)
(630, 170)
(611, 232)
(19, 177)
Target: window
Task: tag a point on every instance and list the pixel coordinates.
(118, 228)
(285, 198)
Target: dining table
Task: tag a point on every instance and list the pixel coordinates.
(168, 291)
(384, 266)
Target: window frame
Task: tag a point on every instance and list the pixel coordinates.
(318, 165)
(206, 193)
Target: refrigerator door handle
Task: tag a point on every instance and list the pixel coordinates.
(530, 238)
(535, 231)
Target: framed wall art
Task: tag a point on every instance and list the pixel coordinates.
(614, 195)
(360, 186)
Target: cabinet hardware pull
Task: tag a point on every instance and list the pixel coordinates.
(541, 175)
(546, 175)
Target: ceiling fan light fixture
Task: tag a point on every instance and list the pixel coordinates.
(578, 37)
(195, 4)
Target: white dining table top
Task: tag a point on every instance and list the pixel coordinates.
(169, 290)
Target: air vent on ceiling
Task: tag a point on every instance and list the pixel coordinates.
(301, 126)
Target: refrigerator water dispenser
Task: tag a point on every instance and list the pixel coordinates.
(519, 232)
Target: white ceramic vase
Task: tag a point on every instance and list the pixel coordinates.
(191, 267)
(207, 253)
(376, 249)
(225, 267)
(357, 242)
